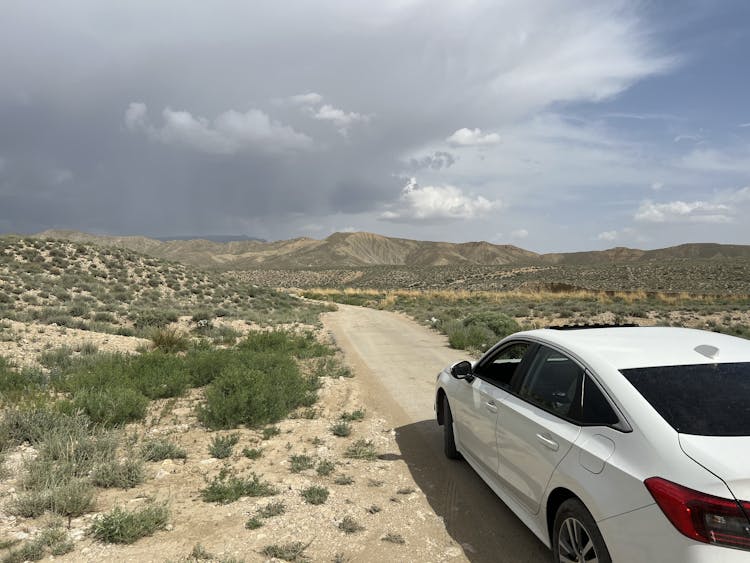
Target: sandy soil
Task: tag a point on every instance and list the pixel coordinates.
(441, 509)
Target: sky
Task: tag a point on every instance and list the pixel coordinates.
(554, 126)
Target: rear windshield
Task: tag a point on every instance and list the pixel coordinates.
(705, 399)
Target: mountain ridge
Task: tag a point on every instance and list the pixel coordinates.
(362, 249)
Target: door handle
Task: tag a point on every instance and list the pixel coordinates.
(490, 406)
(548, 442)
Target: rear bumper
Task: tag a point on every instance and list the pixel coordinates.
(646, 535)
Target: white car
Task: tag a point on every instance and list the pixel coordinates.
(625, 444)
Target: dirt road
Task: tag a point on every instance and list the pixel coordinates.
(396, 361)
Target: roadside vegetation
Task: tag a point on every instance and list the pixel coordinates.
(474, 320)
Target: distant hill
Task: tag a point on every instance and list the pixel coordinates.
(353, 250)
(212, 238)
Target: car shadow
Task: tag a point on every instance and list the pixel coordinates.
(474, 516)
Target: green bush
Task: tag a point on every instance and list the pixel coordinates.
(206, 365)
(154, 318)
(169, 340)
(224, 489)
(159, 450)
(464, 337)
(499, 323)
(221, 446)
(361, 449)
(265, 391)
(113, 406)
(158, 375)
(121, 526)
(124, 474)
(315, 494)
(298, 463)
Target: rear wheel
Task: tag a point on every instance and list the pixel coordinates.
(576, 537)
(449, 440)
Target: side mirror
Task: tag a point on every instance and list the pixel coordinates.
(461, 370)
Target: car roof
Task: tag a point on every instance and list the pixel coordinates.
(633, 347)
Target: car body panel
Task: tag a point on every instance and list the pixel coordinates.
(532, 443)
(728, 457)
(604, 466)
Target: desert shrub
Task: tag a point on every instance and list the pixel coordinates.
(221, 446)
(276, 508)
(361, 449)
(121, 526)
(356, 415)
(159, 450)
(315, 494)
(205, 365)
(58, 359)
(464, 337)
(154, 318)
(169, 340)
(34, 424)
(113, 406)
(224, 489)
(15, 385)
(252, 453)
(265, 391)
(270, 431)
(341, 429)
(158, 375)
(349, 525)
(332, 367)
(293, 551)
(300, 346)
(325, 467)
(72, 498)
(300, 462)
(499, 323)
(124, 474)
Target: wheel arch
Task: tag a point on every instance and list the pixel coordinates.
(439, 396)
(554, 501)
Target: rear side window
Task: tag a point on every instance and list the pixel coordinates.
(704, 399)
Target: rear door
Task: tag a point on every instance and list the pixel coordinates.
(534, 428)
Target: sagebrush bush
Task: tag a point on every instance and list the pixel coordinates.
(161, 449)
(221, 446)
(123, 474)
(260, 392)
(169, 340)
(158, 375)
(112, 406)
(224, 489)
(121, 526)
(464, 337)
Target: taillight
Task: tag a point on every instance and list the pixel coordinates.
(702, 517)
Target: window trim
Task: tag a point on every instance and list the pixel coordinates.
(621, 425)
(520, 372)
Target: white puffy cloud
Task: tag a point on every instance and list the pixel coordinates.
(465, 137)
(608, 236)
(428, 203)
(230, 132)
(308, 99)
(681, 211)
(343, 120)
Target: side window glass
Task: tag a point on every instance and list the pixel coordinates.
(595, 409)
(553, 382)
(500, 369)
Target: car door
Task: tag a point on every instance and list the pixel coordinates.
(534, 430)
(477, 409)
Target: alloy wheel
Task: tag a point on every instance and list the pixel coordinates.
(575, 544)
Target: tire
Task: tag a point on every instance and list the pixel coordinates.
(449, 440)
(576, 537)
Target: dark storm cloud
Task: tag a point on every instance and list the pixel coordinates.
(164, 118)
